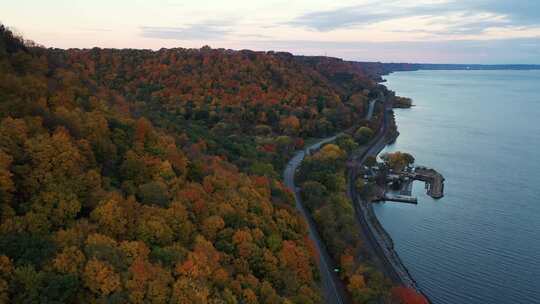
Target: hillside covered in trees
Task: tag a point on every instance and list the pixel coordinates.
(154, 176)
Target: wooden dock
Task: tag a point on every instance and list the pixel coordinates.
(390, 197)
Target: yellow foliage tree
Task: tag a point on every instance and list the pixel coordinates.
(134, 250)
(6, 271)
(186, 290)
(6, 183)
(330, 152)
(211, 225)
(148, 283)
(111, 217)
(100, 277)
(70, 260)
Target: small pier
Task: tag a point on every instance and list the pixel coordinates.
(396, 186)
(399, 185)
(433, 179)
(391, 197)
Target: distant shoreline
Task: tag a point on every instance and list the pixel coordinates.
(410, 67)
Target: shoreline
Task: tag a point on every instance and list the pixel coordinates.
(381, 241)
(405, 278)
(381, 244)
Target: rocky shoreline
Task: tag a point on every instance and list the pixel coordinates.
(381, 242)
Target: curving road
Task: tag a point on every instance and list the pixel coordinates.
(378, 242)
(334, 291)
(370, 109)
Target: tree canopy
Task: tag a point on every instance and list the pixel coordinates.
(397, 160)
(153, 176)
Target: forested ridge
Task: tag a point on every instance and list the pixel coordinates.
(154, 176)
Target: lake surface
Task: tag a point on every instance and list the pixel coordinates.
(479, 244)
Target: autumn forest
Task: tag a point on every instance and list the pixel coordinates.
(140, 176)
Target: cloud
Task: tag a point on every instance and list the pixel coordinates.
(438, 31)
(344, 17)
(91, 29)
(210, 30)
(503, 13)
(521, 12)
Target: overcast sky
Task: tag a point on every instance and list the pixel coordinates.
(438, 31)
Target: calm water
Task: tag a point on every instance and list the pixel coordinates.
(481, 130)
